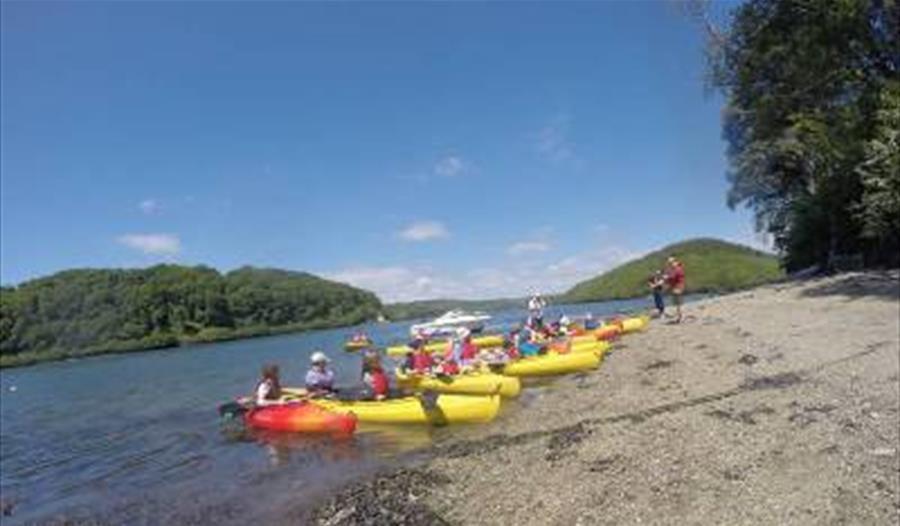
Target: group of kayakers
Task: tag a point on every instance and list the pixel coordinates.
(319, 380)
(671, 278)
(459, 354)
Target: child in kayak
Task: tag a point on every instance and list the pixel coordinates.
(268, 390)
(421, 360)
(444, 366)
(374, 377)
(468, 352)
(319, 378)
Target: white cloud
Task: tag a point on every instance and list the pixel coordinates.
(399, 283)
(515, 279)
(525, 247)
(424, 231)
(450, 166)
(149, 206)
(553, 143)
(152, 244)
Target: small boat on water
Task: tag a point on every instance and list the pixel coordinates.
(449, 323)
(356, 345)
(486, 341)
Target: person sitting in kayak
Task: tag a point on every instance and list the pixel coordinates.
(268, 390)
(319, 378)
(528, 346)
(468, 352)
(444, 366)
(590, 323)
(511, 348)
(374, 377)
(421, 360)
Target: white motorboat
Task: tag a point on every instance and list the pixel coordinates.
(451, 322)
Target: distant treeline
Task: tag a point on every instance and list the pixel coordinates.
(83, 312)
(431, 308)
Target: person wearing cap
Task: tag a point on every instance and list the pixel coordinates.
(536, 307)
(675, 281)
(319, 378)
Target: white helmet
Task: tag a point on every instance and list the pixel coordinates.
(319, 357)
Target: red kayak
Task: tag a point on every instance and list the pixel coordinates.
(300, 417)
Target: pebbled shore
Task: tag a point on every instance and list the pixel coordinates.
(775, 405)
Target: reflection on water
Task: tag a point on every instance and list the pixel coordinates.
(136, 438)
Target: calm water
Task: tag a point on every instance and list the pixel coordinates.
(136, 438)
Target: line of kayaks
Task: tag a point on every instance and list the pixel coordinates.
(473, 397)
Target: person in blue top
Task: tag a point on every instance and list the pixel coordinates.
(319, 378)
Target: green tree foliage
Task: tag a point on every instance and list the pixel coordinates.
(710, 265)
(79, 312)
(811, 123)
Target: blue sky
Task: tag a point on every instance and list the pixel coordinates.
(415, 149)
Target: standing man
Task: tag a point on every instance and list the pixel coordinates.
(536, 308)
(675, 280)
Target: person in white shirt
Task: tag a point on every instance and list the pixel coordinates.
(319, 378)
(536, 308)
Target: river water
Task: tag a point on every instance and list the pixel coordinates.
(136, 438)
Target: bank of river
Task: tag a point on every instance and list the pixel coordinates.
(135, 438)
(779, 405)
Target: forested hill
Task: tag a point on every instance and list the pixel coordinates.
(81, 312)
(711, 265)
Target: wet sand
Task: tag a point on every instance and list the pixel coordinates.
(776, 405)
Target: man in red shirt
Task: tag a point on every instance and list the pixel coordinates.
(675, 281)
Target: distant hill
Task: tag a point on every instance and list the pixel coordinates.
(431, 308)
(92, 311)
(711, 265)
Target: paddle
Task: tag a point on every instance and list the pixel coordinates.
(232, 409)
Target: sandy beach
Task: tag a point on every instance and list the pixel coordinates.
(778, 405)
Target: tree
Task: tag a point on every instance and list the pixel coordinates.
(810, 123)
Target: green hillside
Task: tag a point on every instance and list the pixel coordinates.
(711, 265)
(92, 311)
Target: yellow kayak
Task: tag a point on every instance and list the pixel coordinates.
(552, 364)
(584, 338)
(494, 340)
(483, 383)
(447, 409)
(597, 347)
(637, 323)
(357, 345)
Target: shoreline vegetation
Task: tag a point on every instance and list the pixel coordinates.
(90, 312)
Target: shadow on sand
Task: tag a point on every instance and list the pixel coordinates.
(878, 284)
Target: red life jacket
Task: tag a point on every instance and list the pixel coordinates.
(422, 361)
(379, 382)
(469, 351)
(449, 368)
